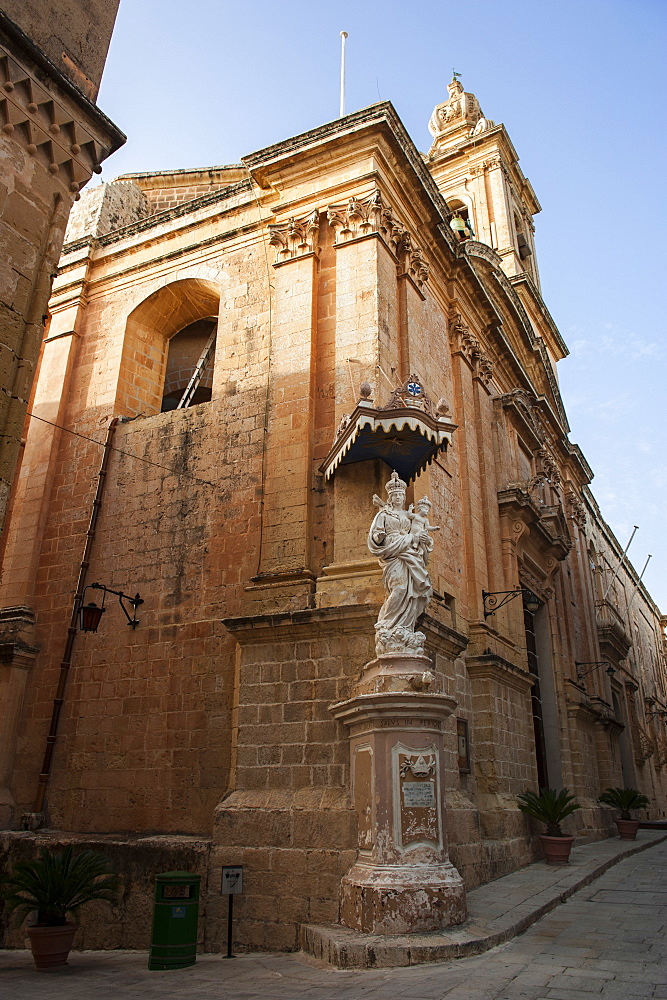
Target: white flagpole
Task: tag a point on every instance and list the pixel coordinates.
(343, 36)
(632, 596)
(634, 532)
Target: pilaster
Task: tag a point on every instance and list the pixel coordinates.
(285, 578)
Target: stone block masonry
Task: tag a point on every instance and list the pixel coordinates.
(328, 261)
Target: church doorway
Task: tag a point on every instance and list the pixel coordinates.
(543, 697)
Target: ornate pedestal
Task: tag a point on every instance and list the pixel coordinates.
(402, 880)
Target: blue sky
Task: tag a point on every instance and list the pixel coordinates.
(580, 86)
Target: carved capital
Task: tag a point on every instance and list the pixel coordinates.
(296, 237)
(575, 507)
(370, 216)
(417, 267)
(469, 346)
(362, 217)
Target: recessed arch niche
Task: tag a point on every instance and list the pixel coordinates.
(150, 327)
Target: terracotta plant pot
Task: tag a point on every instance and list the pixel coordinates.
(51, 946)
(627, 828)
(556, 849)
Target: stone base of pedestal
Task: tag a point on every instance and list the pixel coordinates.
(393, 899)
(395, 672)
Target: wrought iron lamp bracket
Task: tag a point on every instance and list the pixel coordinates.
(491, 602)
(592, 664)
(123, 599)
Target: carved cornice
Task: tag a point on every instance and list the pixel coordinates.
(491, 666)
(17, 654)
(522, 405)
(61, 129)
(591, 710)
(401, 707)
(442, 638)
(473, 248)
(295, 238)
(16, 628)
(466, 344)
(293, 625)
(548, 521)
(582, 711)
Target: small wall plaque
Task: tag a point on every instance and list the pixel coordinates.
(463, 745)
(418, 794)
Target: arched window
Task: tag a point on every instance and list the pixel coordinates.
(461, 221)
(164, 350)
(189, 374)
(522, 241)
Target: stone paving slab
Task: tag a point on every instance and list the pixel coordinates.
(578, 951)
(497, 912)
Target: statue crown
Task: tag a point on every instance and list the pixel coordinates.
(395, 484)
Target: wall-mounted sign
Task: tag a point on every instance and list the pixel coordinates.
(232, 880)
(463, 745)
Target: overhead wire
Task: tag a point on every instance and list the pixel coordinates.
(121, 451)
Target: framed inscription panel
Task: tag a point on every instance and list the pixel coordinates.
(416, 791)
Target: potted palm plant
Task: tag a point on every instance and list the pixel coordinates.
(551, 808)
(625, 799)
(55, 884)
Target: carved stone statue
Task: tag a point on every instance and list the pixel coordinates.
(402, 542)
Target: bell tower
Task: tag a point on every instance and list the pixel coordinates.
(477, 170)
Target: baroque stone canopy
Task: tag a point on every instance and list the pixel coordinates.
(405, 433)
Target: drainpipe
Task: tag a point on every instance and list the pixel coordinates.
(36, 819)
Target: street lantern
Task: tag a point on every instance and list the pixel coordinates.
(90, 614)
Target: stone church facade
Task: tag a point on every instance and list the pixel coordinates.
(235, 360)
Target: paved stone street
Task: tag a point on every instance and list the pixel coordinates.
(608, 942)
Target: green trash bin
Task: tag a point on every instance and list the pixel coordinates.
(175, 915)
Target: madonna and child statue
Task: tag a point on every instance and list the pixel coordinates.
(404, 882)
(401, 540)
